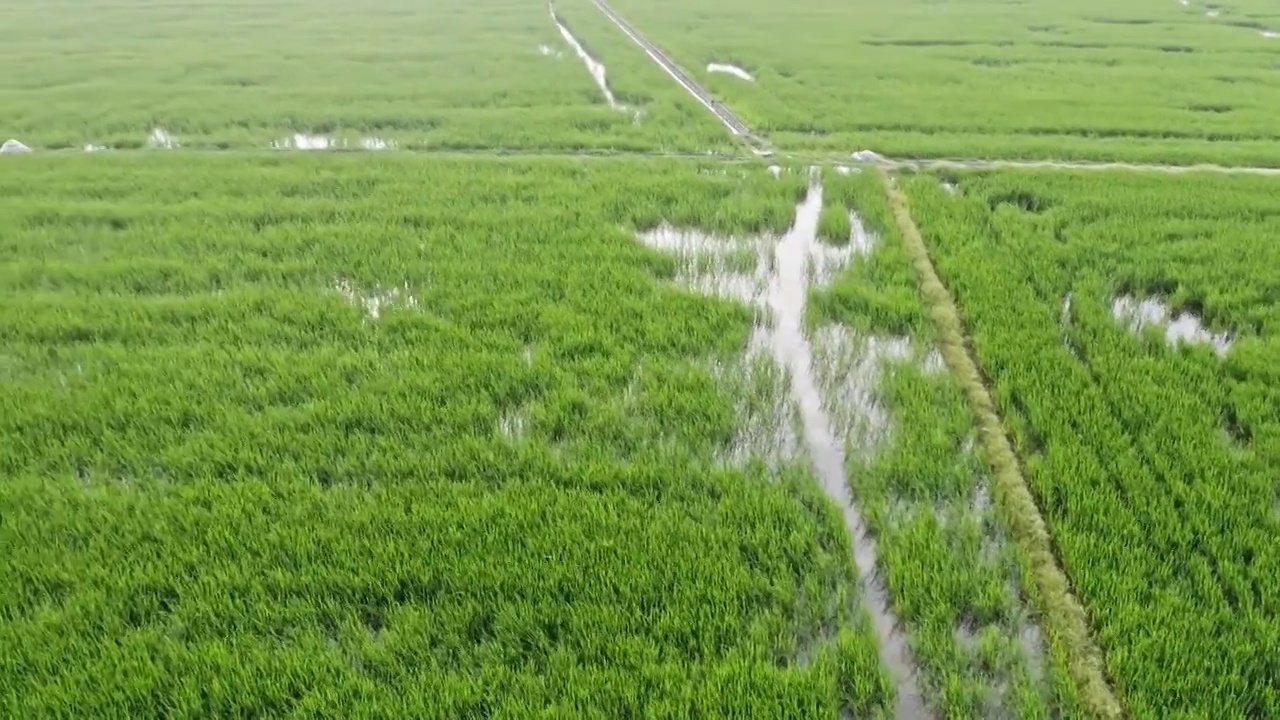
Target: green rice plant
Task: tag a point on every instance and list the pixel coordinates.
(1152, 453)
(395, 436)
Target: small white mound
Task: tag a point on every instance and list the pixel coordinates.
(12, 147)
(869, 156)
(160, 139)
(91, 147)
(1211, 13)
(728, 69)
(775, 170)
(1269, 34)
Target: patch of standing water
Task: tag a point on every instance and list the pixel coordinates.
(306, 141)
(995, 631)
(861, 242)
(768, 427)
(849, 370)
(729, 69)
(13, 147)
(933, 363)
(511, 425)
(377, 143)
(376, 300)
(595, 67)
(778, 288)
(160, 139)
(869, 156)
(1186, 327)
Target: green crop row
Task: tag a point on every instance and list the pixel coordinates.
(1148, 82)
(1153, 460)
(395, 437)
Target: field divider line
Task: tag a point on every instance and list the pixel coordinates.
(888, 164)
(1064, 618)
(981, 164)
(726, 116)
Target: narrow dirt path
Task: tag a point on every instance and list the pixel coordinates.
(1061, 613)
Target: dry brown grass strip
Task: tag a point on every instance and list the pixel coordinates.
(1063, 617)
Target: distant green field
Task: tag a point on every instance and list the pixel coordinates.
(459, 74)
(1152, 81)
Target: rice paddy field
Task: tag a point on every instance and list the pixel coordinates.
(550, 398)
(303, 75)
(1158, 81)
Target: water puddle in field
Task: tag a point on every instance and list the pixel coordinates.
(861, 242)
(13, 147)
(161, 139)
(512, 425)
(306, 141)
(849, 370)
(729, 69)
(594, 67)
(376, 143)
(376, 300)
(775, 276)
(1183, 328)
(995, 631)
(933, 363)
(869, 156)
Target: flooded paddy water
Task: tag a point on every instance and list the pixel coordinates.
(594, 67)
(729, 69)
(161, 139)
(375, 300)
(821, 395)
(1185, 327)
(775, 275)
